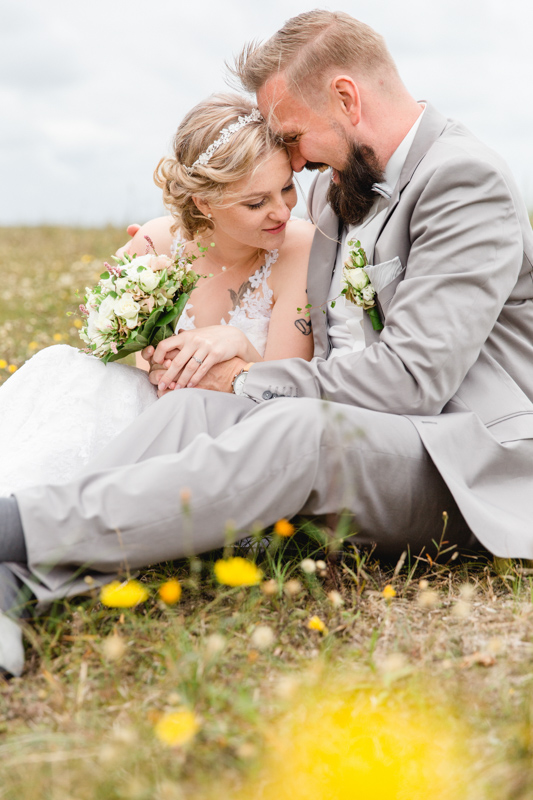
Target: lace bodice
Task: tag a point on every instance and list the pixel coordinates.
(252, 315)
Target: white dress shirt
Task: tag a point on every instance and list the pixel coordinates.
(345, 320)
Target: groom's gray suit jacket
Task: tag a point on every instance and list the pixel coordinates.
(456, 352)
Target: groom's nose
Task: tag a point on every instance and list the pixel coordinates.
(298, 162)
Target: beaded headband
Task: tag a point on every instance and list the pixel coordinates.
(223, 137)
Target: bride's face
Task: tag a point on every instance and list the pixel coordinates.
(256, 209)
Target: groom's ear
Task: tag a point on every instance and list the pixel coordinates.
(346, 99)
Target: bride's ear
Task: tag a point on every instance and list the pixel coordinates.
(202, 206)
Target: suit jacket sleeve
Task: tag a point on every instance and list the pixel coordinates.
(465, 258)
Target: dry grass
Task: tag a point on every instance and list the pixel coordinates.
(455, 643)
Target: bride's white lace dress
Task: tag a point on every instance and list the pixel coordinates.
(63, 406)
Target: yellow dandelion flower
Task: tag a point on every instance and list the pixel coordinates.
(12, 368)
(170, 591)
(77, 323)
(237, 572)
(316, 624)
(33, 345)
(177, 728)
(3, 363)
(283, 528)
(123, 595)
(87, 258)
(389, 592)
(57, 337)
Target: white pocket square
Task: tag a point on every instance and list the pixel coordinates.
(381, 275)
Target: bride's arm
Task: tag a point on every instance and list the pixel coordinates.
(289, 332)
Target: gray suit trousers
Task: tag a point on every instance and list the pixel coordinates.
(239, 462)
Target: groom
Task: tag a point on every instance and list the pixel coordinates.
(433, 414)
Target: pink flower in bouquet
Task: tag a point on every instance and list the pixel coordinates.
(158, 263)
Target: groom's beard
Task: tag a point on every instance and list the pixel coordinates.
(352, 197)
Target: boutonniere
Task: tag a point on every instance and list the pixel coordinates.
(356, 283)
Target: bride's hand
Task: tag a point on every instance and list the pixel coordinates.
(199, 350)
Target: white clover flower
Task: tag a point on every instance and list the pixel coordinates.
(263, 637)
(308, 566)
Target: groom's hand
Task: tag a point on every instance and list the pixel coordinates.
(220, 376)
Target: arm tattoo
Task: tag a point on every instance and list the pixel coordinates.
(304, 326)
(236, 296)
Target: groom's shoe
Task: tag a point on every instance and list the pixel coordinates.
(11, 647)
(11, 607)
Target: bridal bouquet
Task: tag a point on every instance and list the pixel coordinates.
(136, 303)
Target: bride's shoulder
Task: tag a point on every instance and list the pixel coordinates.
(298, 238)
(158, 230)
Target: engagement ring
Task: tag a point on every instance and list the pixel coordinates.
(199, 360)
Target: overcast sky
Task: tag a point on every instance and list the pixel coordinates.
(91, 92)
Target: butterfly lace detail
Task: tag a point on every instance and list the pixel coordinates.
(252, 315)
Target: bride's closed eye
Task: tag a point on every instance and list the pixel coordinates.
(262, 202)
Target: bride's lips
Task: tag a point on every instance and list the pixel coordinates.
(276, 230)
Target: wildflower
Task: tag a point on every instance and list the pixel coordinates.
(263, 637)
(428, 598)
(214, 644)
(283, 528)
(77, 323)
(170, 591)
(237, 572)
(316, 624)
(114, 647)
(57, 337)
(308, 566)
(389, 592)
(12, 368)
(292, 588)
(33, 345)
(177, 728)
(335, 598)
(123, 595)
(3, 364)
(269, 588)
(321, 565)
(86, 258)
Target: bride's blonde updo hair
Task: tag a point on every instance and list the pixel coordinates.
(245, 150)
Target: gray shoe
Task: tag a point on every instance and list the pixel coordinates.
(11, 647)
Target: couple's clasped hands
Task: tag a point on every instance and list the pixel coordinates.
(208, 358)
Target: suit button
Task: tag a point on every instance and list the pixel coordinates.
(267, 395)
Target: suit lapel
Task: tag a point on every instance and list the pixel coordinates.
(432, 125)
(321, 266)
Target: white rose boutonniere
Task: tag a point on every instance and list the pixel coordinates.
(357, 287)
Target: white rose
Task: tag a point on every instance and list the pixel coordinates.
(148, 280)
(356, 278)
(141, 261)
(122, 284)
(107, 307)
(127, 308)
(368, 293)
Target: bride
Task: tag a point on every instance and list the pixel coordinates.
(229, 188)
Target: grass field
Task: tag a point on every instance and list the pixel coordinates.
(336, 679)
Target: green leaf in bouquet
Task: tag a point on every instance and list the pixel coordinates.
(104, 276)
(176, 310)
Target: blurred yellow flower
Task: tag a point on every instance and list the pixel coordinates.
(350, 745)
(389, 592)
(77, 323)
(283, 528)
(177, 728)
(86, 258)
(12, 368)
(3, 363)
(33, 345)
(170, 591)
(237, 572)
(123, 595)
(57, 337)
(316, 624)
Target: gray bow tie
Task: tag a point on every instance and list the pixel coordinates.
(383, 189)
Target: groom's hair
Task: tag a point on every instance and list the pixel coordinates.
(310, 44)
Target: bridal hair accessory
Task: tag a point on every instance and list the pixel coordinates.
(223, 137)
